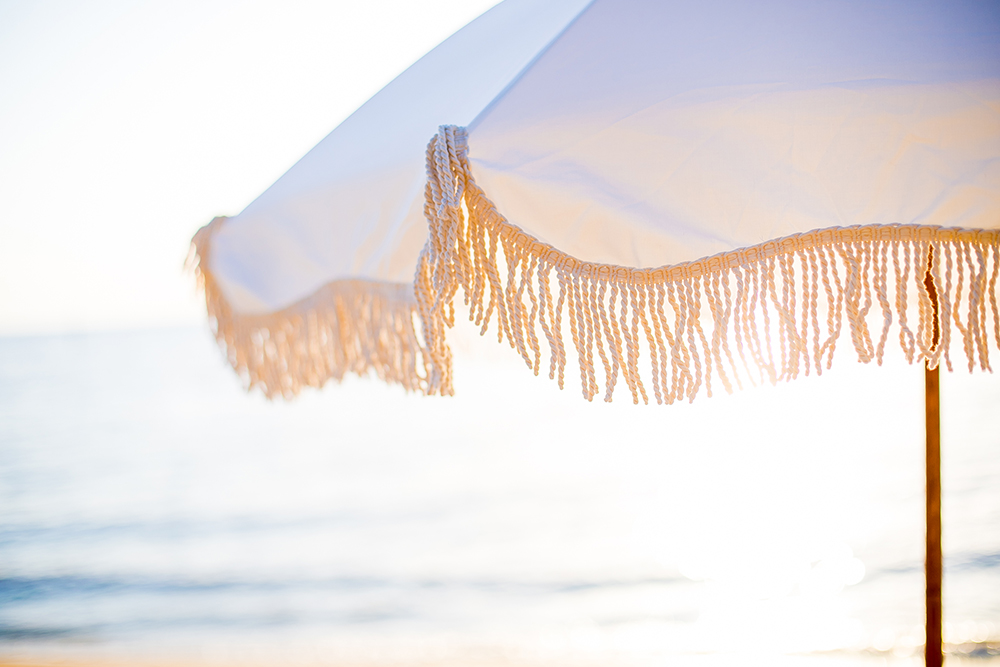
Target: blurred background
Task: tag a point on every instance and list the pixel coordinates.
(152, 512)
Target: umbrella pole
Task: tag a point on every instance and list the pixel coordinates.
(933, 654)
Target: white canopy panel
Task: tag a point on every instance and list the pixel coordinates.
(653, 133)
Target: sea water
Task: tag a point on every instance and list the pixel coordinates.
(151, 509)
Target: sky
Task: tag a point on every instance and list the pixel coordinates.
(125, 126)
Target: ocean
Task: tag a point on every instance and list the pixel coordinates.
(152, 510)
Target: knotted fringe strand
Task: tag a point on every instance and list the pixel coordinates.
(764, 313)
(347, 326)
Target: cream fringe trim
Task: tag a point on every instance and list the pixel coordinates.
(347, 326)
(781, 321)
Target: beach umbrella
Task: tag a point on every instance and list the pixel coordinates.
(661, 198)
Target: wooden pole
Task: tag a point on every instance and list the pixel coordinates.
(933, 654)
(933, 571)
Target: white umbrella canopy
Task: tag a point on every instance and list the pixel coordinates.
(685, 192)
